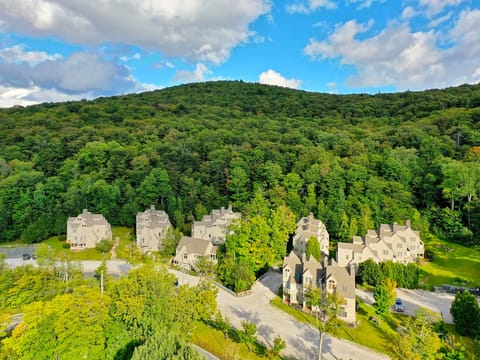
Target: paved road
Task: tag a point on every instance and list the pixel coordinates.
(413, 299)
(116, 267)
(301, 339)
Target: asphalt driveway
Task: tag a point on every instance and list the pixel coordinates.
(302, 340)
(413, 299)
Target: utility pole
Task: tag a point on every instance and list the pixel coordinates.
(101, 283)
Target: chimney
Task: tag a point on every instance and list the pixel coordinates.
(152, 207)
(407, 223)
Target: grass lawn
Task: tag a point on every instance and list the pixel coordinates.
(214, 342)
(367, 333)
(123, 252)
(452, 264)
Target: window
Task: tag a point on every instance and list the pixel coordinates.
(347, 257)
(331, 284)
(185, 256)
(399, 245)
(385, 252)
(213, 257)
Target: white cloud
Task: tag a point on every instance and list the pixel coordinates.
(364, 4)
(10, 96)
(192, 29)
(438, 21)
(404, 58)
(271, 77)
(196, 75)
(309, 6)
(17, 53)
(32, 77)
(434, 7)
(408, 13)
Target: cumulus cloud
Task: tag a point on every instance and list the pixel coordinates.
(309, 6)
(17, 53)
(80, 72)
(32, 77)
(404, 58)
(192, 29)
(196, 75)
(271, 77)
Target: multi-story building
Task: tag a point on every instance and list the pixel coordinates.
(86, 230)
(152, 226)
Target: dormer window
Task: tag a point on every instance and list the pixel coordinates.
(331, 285)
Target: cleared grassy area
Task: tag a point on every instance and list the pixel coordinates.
(214, 342)
(452, 264)
(124, 251)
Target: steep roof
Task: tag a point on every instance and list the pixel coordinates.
(196, 246)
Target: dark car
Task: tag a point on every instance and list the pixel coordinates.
(399, 305)
(26, 256)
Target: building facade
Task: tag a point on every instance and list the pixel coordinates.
(214, 227)
(307, 228)
(398, 243)
(151, 228)
(190, 250)
(302, 274)
(86, 230)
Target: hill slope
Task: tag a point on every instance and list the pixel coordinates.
(353, 160)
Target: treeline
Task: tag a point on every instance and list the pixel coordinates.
(354, 161)
(403, 275)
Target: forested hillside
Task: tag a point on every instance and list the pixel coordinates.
(355, 161)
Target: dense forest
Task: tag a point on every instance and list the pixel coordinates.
(354, 161)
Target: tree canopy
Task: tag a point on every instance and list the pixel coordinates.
(354, 161)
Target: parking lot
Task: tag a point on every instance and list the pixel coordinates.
(17, 251)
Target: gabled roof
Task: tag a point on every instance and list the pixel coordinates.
(345, 283)
(196, 246)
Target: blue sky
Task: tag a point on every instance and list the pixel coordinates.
(57, 50)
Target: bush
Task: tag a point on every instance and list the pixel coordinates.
(104, 245)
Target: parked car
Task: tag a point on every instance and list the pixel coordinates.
(399, 305)
(26, 256)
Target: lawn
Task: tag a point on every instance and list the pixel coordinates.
(367, 333)
(452, 264)
(214, 342)
(123, 252)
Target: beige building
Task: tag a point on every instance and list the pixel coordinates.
(300, 274)
(152, 226)
(86, 230)
(308, 227)
(214, 227)
(190, 250)
(398, 243)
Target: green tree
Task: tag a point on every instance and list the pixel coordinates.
(247, 335)
(466, 314)
(165, 345)
(313, 248)
(418, 339)
(369, 272)
(278, 345)
(172, 238)
(222, 323)
(326, 307)
(384, 295)
(104, 245)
